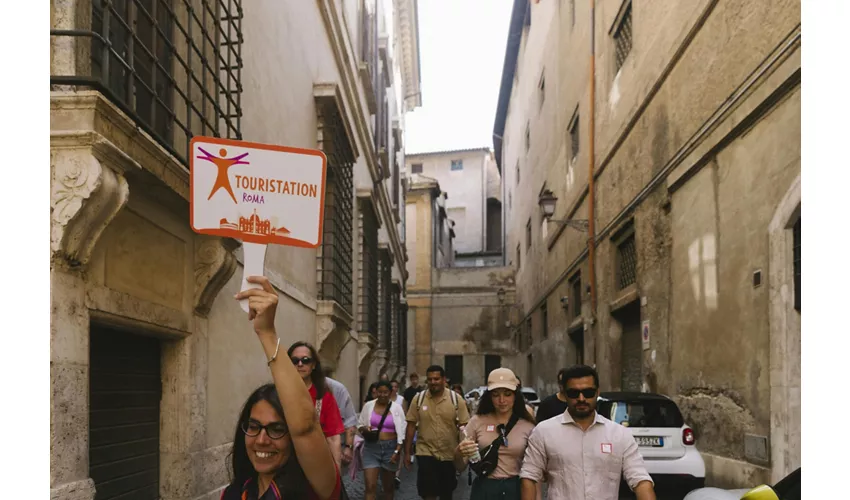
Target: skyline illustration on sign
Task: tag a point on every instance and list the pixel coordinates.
(257, 193)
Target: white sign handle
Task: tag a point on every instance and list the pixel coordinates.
(255, 259)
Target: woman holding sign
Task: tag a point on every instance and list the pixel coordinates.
(495, 439)
(279, 450)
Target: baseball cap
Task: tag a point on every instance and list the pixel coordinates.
(502, 378)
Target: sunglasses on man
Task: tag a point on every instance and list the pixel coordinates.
(589, 393)
(305, 360)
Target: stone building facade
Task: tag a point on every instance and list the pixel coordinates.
(692, 113)
(458, 316)
(475, 201)
(151, 358)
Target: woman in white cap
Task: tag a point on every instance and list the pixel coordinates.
(495, 439)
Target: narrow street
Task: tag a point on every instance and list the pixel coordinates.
(355, 489)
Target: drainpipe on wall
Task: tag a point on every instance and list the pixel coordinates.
(591, 229)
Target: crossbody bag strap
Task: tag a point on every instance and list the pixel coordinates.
(386, 412)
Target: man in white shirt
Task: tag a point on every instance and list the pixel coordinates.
(583, 453)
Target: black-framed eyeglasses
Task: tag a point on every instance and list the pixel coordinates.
(305, 360)
(274, 430)
(589, 393)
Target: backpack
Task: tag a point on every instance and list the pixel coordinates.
(452, 394)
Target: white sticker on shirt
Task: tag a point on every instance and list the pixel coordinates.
(606, 448)
(425, 408)
(491, 428)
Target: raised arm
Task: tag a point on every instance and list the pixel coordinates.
(308, 440)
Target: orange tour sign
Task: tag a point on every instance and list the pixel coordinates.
(257, 193)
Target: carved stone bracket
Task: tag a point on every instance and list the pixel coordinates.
(333, 330)
(87, 190)
(215, 263)
(366, 343)
(381, 357)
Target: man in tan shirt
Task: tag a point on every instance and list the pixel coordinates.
(583, 453)
(437, 413)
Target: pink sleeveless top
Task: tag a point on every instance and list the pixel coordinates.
(389, 425)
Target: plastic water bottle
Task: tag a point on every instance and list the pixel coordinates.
(477, 456)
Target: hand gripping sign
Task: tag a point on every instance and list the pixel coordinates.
(257, 193)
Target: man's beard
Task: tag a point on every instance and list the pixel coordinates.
(583, 412)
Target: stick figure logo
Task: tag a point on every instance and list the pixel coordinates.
(222, 181)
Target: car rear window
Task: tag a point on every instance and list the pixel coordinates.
(644, 413)
(529, 395)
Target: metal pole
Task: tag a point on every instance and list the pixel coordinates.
(591, 237)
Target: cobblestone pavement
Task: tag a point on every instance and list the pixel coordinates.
(356, 488)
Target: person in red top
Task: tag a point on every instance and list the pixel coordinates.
(279, 450)
(306, 360)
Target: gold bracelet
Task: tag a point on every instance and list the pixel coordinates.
(276, 349)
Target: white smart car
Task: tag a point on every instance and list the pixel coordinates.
(665, 441)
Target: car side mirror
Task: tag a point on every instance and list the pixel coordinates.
(762, 492)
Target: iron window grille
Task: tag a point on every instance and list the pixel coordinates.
(385, 298)
(457, 165)
(544, 321)
(402, 336)
(575, 285)
(335, 255)
(416, 168)
(574, 137)
(626, 261)
(174, 68)
(518, 256)
(529, 333)
(798, 277)
(394, 324)
(368, 269)
(623, 36)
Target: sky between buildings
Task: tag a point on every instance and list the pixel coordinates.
(462, 50)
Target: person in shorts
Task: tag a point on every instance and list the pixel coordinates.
(437, 413)
(382, 426)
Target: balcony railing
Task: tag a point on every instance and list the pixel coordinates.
(174, 66)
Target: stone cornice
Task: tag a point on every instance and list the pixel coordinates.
(347, 64)
(407, 25)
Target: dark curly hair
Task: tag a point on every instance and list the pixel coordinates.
(290, 478)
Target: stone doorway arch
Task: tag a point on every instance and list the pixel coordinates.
(785, 338)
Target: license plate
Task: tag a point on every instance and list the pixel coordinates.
(650, 441)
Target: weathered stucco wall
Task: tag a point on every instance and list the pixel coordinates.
(699, 236)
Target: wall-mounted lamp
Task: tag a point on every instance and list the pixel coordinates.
(547, 201)
(501, 294)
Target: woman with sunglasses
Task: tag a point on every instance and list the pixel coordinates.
(382, 425)
(278, 450)
(502, 414)
(306, 361)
